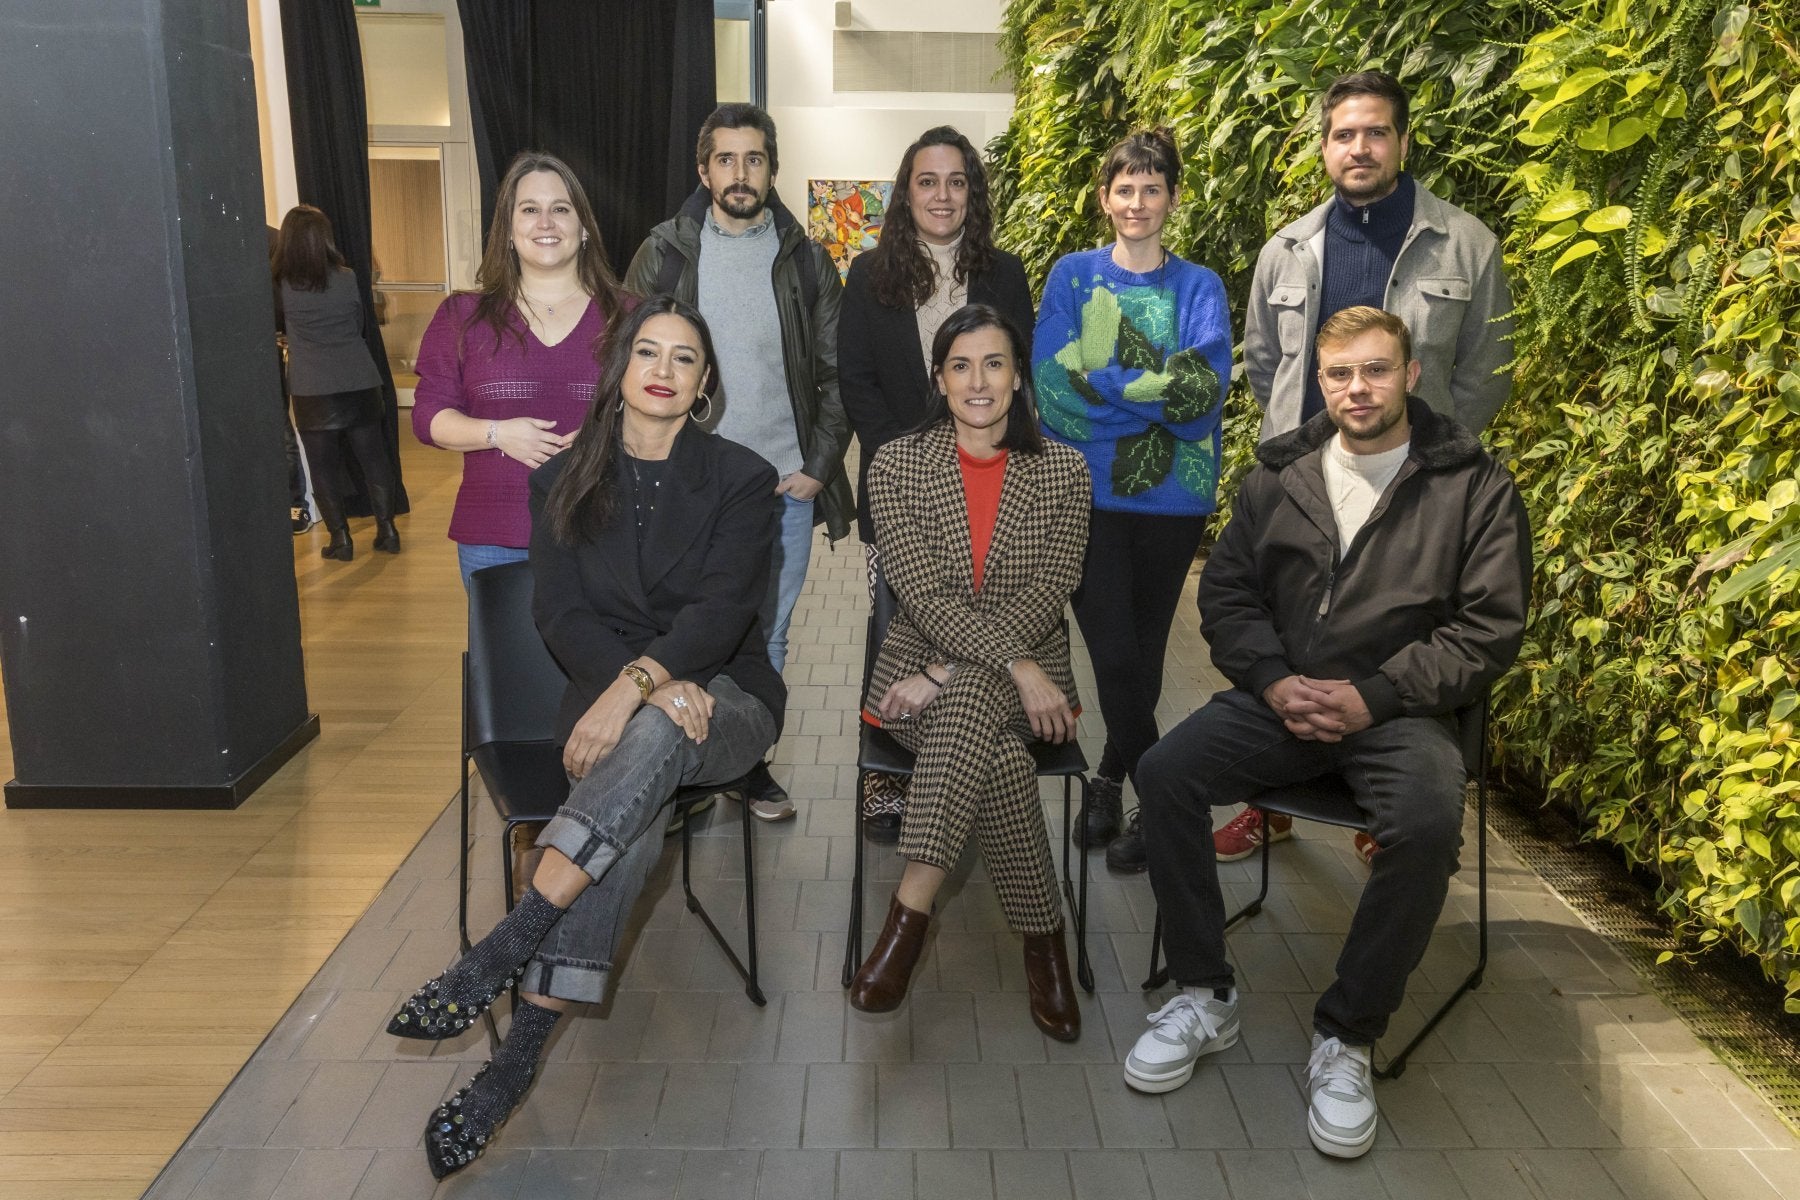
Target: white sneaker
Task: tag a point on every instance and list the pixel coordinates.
(1191, 1024)
(1340, 1088)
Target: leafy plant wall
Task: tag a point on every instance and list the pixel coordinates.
(1641, 160)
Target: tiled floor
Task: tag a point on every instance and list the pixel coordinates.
(1560, 1078)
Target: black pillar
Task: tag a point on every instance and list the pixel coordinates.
(149, 625)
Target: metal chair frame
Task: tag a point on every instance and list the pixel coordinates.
(877, 751)
(532, 683)
(1329, 801)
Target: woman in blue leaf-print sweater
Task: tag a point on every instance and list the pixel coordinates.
(1132, 360)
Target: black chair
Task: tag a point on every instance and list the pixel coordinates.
(1329, 801)
(512, 689)
(877, 751)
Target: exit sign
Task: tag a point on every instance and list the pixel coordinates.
(366, 3)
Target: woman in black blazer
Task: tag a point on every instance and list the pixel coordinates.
(650, 549)
(936, 254)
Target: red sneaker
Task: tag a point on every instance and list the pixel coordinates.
(1242, 836)
(1365, 848)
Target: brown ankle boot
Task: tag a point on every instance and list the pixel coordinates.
(1053, 1006)
(880, 985)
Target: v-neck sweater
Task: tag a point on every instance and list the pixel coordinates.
(462, 366)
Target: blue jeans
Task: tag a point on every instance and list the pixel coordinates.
(611, 826)
(1407, 775)
(472, 558)
(788, 575)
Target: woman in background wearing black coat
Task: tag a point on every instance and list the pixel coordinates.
(936, 254)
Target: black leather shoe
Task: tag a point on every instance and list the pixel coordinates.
(1105, 808)
(1126, 853)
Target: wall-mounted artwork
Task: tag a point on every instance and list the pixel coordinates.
(845, 216)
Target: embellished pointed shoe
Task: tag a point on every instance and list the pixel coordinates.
(456, 999)
(1053, 1006)
(431, 1014)
(880, 986)
(452, 1139)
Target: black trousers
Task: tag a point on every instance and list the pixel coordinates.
(1407, 775)
(325, 454)
(1130, 584)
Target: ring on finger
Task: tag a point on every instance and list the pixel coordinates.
(680, 702)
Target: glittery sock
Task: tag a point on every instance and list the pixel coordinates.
(454, 1000)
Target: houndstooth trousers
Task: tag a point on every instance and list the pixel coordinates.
(972, 770)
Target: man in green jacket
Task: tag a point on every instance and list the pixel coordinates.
(771, 299)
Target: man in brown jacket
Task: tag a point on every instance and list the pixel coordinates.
(1373, 579)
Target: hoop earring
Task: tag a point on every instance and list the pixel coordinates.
(620, 406)
(709, 406)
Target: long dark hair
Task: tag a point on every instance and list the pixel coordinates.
(1022, 433)
(586, 495)
(900, 268)
(497, 279)
(305, 254)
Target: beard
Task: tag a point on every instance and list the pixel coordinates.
(1376, 429)
(741, 202)
(1375, 187)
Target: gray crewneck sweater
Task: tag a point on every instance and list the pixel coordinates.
(737, 297)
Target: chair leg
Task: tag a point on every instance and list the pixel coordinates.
(752, 988)
(853, 936)
(1255, 906)
(1396, 1065)
(1084, 968)
(1159, 974)
(747, 974)
(462, 866)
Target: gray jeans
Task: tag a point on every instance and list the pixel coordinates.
(612, 825)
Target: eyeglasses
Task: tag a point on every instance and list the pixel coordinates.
(1375, 372)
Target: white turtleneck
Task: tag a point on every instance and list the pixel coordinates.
(1354, 483)
(947, 295)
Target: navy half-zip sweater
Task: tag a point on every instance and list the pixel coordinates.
(1361, 245)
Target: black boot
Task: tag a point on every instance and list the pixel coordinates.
(1105, 808)
(331, 513)
(387, 538)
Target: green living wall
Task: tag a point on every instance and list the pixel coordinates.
(1640, 159)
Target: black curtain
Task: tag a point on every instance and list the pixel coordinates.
(616, 88)
(330, 122)
(497, 52)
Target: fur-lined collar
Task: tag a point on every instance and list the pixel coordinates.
(1438, 442)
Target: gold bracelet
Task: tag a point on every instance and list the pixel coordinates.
(641, 677)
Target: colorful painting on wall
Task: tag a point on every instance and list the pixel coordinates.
(845, 216)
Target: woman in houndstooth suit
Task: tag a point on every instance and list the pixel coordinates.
(980, 525)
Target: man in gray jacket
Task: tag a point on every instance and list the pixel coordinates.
(1384, 241)
(771, 299)
(1373, 579)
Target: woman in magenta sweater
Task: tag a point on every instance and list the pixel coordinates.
(507, 372)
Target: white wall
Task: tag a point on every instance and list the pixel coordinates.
(861, 135)
(280, 192)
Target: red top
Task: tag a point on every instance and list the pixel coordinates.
(982, 479)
